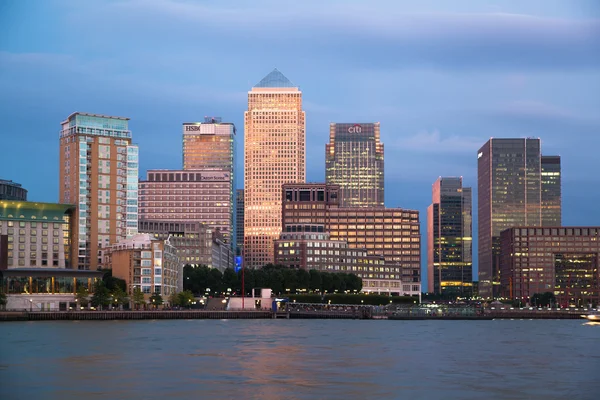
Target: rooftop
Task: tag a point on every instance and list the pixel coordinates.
(275, 79)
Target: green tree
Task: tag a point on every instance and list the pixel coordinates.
(230, 279)
(101, 296)
(82, 296)
(2, 299)
(156, 300)
(185, 298)
(326, 282)
(543, 299)
(316, 282)
(174, 299)
(303, 279)
(119, 296)
(138, 297)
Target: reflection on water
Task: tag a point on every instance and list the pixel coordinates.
(300, 359)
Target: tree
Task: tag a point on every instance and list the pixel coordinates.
(303, 278)
(138, 297)
(2, 299)
(185, 298)
(156, 300)
(543, 299)
(82, 296)
(101, 297)
(316, 282)
(230, 279)
(174, 299)
(119, 296)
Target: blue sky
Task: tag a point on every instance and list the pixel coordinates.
(442, 77)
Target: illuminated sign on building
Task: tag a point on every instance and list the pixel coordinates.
(356, 128)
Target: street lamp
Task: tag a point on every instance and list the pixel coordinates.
(30, 305)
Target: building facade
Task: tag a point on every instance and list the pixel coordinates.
(309, 248)
(195, 243)
(393, 233)
(239, 225)
(99, 174)
(449, 239)
(149, 264)
(563, 260)
(193, 195)
(10, 190)
(551, 191)
(274, 154)
(354, 161)
(509, 194)
(37, 235)
(211, 145)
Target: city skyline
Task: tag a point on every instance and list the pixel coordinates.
(444, 112)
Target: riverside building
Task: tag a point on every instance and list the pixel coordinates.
(309, 247)
(354, 161)
(393, 233)
(449, 239)
(510, 193)
(149, 264)
(99, 175)
(274, 154)
(10, 190)
(559, 259)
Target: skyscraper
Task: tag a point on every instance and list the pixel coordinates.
(210, 145)
(274, 143)
(239, 221)
(99, 174)
(551, 191)
(354, 160)
(449, 238)
(509, 194)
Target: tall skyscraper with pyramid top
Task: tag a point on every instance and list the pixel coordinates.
(274, 154)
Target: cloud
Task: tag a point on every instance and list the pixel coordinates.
(433, 142)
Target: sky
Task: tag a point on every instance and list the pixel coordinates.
(441, 77)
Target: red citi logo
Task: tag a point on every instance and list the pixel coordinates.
(356, 128)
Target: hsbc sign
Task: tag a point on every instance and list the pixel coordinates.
(356, 128)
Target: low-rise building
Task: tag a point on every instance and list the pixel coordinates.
(562, 259)
(196, 244)
(149, 264)
(309, 247)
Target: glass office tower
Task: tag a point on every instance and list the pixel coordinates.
(354, 161)
(551, 191)
(449, 239)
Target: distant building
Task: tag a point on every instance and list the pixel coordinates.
(509, 194)
(195, 243)
(311, 248)
(99, 174)
(551, 191)
(449, 239)
(354, 161)
(37, 235)
(10, 190)
(146, 263)
(210, 145)
(393, 233)
(274, 154)
(563, 260)
(239, 225)
(194, 196)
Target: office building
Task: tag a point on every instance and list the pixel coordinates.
(211, 145)
(195, 243)
(10, 190)
(239, 224)
(274, 154)
(354, 161)
(509, 194)
(188, 195)
(551, 191)
(310, 247)
(563, 260)
(393, 233)
(98, 174)
(146, 263)
(37, 235)
(449, 239)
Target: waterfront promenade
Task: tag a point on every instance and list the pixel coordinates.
(298, 311)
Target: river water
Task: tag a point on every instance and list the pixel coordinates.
(299, 359)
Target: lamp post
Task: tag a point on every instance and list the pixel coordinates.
(30, 305)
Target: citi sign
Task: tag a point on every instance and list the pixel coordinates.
(356, 128)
